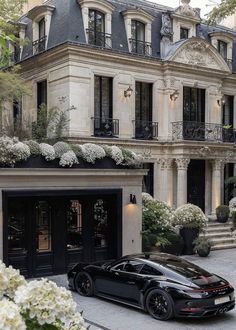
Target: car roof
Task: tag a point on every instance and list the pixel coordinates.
(156, 257)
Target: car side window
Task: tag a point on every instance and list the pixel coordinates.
(133, 266)
(119, 266)
(148, 270)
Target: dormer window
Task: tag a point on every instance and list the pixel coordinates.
(223, 42)
(184, 33)
(137, 40)
(96, 30)
(222, 49)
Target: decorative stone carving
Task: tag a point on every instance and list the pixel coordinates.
(187, 10)
(182, 163)
(166, 163)
(147, 153)
(166, 29)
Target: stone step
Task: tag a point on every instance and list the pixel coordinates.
(223, 240)
(213, 235)
(218, 229)
(223, 246)
(219, 224)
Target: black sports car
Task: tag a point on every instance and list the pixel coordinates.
(162, 284)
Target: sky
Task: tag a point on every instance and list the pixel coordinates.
(194, 3)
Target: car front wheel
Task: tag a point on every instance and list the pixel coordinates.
(84, 284)
(159, 305)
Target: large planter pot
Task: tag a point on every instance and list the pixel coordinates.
(203, 252)
(189, 235)
(222, 218)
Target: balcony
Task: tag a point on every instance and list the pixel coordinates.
(105, 127)
(195, 131)
(39, 45)
(145, 130)
(100, 39)
(140, 47)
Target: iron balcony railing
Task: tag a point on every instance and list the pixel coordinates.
(100, 39)
(196, 131)
(145, 130)
(39, 45)
(105, 127)
(140, 47)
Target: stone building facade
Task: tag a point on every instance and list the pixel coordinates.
(154, 79)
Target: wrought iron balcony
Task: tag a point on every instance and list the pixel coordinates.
(100, 39)
(140, 47)
(145, 130)
(105, 127)
(196, 131)
(39, 45)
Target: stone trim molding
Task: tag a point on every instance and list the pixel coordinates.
(166, 163)
(182, 163)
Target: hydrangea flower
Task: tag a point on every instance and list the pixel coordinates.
(147, 197)
(190, 216)
(47, 151)
(10, 316)
(232, 204)
(115, 153)
(91, 152)
(5, 150)
(68, 159)
(34, 147)
(20, 151)
(61, 148)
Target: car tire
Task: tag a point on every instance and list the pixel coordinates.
(84, 284)
(159, 305)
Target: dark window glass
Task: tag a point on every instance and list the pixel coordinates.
(42, 28)
(96, 33)
(17, 226)
(222, 49)
(184, 33)
(100, 224)
(103, 97)
(228, 110)
(42, 93)
(148, 270)
(137, 30)
(133, 266)
(74, 225)
(16, 110)
(120, 266)
(148, 179)
(194, 104)
(143, 101)
(43, 227)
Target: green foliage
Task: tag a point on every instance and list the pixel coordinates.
(222, 211)
(224, 9)
(233, 218)
(230, 180)
(176, 243)
(202, 244)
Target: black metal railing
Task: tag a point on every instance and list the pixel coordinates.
(196, 131)
(140, 47)
(39, 45)
(145, 130)
(105, 127)
(100, 39)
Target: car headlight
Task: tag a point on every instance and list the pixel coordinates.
(195, 294)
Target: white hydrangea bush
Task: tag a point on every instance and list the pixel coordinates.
(20, 151)
(5, 151)
(10, 316)
(10, 280)
(68, 159)
(34, 147)
(91, 152)
(146, 197)
(190, 216)
(115, 153)
(47, 151)
(42, 301)
(232, 204)
(61, 148)
(131, 158)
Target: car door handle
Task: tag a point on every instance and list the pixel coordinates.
(131, 282)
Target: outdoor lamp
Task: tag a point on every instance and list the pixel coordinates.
(128, 92)
(174, 95)
(132, 199)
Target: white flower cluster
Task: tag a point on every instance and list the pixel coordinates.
(34, 147)
(68, 159)
(10, 316)
(115, 153)
(47, 303)
(5, 146)
(91, 152)
(232, 204)
(61, 148)
(190, 216)
(47, 151)
(10, 280)
(147, 197)
(20, 151)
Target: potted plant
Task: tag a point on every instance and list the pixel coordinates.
(202, 245)
(233, 218)
(222, 213)
(191, 220)
(175, 245)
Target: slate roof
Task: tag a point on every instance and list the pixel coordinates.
(67, 25)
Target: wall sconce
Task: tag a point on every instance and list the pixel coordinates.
(132, 199)
(221, 101)
(174, 95)
(128, 92)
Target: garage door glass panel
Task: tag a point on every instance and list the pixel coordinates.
(74, 225)
(43, 227)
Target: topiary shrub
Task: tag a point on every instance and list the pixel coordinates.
(222, 213)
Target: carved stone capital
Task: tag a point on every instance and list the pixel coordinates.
(166, 163)
(182, 163)
(218, 164)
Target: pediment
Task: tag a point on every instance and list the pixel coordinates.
(198, 52)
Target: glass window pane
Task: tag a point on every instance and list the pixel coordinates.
(222, 48)
(100, 224)
(16, 226)
(74, 225)
(43, 227)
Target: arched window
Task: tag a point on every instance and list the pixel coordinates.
(137, 37)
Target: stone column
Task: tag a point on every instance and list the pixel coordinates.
(217, 166)
(166, 180)
(182, 167)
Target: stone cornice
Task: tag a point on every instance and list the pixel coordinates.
(39, 11)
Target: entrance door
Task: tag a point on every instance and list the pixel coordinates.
(196, 183)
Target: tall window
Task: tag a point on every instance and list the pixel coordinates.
(228, 111)
(103, 97)
(143, 101)
(96, 30)
(147, 185)
(184, 33)
(138, 37)
(194, 104)
(41, 93)
(42, 28)
(222, 49)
